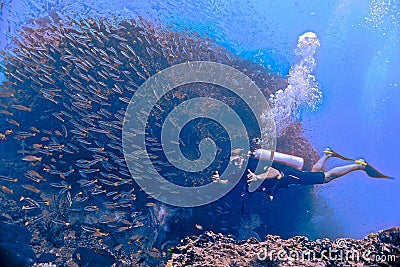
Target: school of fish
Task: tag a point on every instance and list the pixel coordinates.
(63, 106)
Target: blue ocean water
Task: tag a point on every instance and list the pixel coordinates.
(357, 67)
(356, 70)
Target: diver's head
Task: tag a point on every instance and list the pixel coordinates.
(255, 143)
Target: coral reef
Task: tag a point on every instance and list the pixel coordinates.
(210, 249)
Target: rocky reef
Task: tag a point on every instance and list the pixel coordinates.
(14, 246)
(211, 249)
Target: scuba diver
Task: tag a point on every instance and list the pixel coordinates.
(286, 169)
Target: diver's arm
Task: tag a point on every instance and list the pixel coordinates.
(269, 174)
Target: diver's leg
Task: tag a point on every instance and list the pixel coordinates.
(340, 171)
(319, 165)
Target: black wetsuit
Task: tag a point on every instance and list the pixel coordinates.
(290, 176)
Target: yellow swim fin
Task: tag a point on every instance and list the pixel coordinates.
(329, 151)
(371, 171)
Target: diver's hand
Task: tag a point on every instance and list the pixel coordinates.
(251, 176)
(216, 178)
(272, 173)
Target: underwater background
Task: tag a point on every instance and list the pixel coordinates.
(355, 70)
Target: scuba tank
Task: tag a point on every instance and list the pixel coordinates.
(294, 161)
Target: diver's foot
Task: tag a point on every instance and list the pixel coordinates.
(330, 153)
(361, 162)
